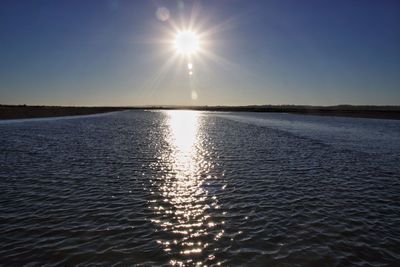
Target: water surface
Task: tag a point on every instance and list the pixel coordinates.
(188, 187)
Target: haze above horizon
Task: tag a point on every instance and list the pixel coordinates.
(223, 52)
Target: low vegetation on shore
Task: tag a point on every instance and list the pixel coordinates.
(24, 111)
(384, 112)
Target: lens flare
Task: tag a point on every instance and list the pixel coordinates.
(194, 95)
(162, 14)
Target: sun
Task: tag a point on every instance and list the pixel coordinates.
(186, 43)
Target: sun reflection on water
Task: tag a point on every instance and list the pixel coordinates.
(184, 127)
(184, 205)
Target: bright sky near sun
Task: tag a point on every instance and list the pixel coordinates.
(181, 52)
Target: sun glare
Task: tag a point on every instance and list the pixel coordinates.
(186, 43)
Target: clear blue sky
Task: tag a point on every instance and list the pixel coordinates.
(110, 52)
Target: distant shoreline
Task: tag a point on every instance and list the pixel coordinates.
(11, 112)
(8, 112)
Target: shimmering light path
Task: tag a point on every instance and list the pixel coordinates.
(184, 205)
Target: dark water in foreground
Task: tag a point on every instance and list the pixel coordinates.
(181, 187)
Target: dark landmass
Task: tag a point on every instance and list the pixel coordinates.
(24, 111)
(381, 112)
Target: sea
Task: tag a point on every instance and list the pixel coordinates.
(197, 188)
